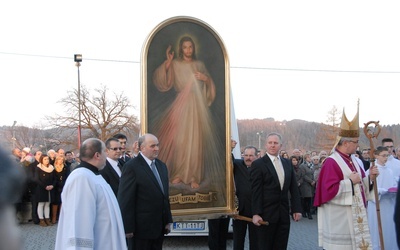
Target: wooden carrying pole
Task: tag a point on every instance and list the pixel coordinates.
(248, 219)
(236, 216)
(370, 134)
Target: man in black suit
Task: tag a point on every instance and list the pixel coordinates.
(143, 197)
(272, 179)
(32, 183)
(241, 172)
(113, 169)
(123, 141)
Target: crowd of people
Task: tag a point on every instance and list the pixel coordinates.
(270, 188)
(340, 187)
(255, 177)
(46, 174)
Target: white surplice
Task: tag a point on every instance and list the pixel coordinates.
(394, 165)
(90, 216)
(385, 180)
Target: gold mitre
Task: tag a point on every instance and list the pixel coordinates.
(350, 128)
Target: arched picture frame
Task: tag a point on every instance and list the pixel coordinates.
(185, 102)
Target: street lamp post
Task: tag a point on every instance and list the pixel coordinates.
(78, 60)
(259, 139)
(13, 134)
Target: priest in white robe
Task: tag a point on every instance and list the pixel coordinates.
(386, 182)
(90, 216)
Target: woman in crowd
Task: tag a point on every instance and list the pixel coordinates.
(52, 156)
(61, 173)
(296, 166)
(307, 187)
(285, 155)
(45, 184)
(299, 174)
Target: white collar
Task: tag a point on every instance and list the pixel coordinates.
(272, 157)
(146, 159)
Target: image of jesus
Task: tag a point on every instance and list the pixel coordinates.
(185, 129)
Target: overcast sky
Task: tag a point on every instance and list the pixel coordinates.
(289, 59)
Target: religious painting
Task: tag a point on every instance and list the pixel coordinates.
(186, 103)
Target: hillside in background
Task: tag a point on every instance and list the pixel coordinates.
(303, 135)
(296, 134)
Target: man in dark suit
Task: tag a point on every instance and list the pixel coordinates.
(123, 141)
(272, 179)
(241, 172)
(113, 169)
(143, 197)
(32, 183)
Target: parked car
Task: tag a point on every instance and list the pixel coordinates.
(193, 228)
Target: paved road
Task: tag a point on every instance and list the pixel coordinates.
(303, 236)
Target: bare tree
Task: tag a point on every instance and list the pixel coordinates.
(326, 135)
(101, 115)
(333, 117)
(22, 136)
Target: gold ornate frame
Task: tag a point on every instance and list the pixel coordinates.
(213, 199)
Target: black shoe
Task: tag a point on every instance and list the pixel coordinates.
(309, 217)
